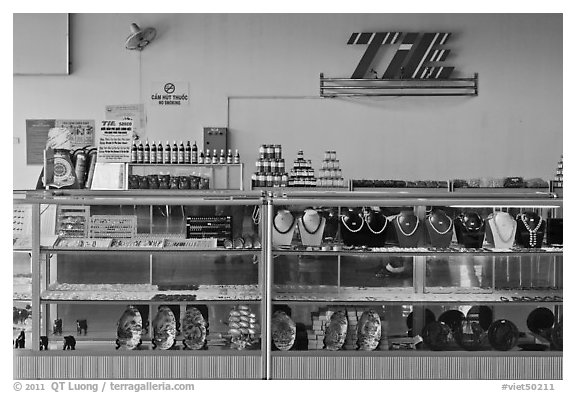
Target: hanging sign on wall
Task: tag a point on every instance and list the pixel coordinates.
(115, 141)
(134, 112)
(170, 93)
(417, 56)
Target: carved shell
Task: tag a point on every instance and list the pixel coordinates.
(336, 331)
(369, 331)
(194, 328)
(164, 327)
(129, 329)
(283, 331)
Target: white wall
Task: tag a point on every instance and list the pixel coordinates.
(514, 126)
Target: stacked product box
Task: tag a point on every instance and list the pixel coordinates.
(353, 315)
(270, 168)
(316, 334)
(559, 177)
(330, 175)
(302, 173)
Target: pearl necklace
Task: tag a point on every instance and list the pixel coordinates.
(533, 232)
(381, 230)
(352, 230)
(495, 224)
(401, 230)
(436, 230)
(470, 229)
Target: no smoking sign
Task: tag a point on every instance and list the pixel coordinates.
(170, 93)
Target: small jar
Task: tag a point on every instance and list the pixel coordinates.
(153, 182)
(164, 182)
(184, 183)
(194, 182)
(204, 183)
(133, 182)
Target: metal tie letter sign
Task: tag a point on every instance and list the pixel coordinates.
(417, 56)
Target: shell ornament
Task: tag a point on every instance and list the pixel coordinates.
(194, 329)
(242, 327)
(336, 331)
(164, 328)
(129, 331)
(369, 331)
(283, 331)
(437, 335)
(470, 335)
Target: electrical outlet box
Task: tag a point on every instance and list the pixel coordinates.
(216, 138)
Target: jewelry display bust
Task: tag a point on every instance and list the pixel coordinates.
(501, 230)
(283, 228)
(439, 228)
(408, 228)
(470, 229)
(376, 228)
(530, 230)
(311, 227)
(352, 227)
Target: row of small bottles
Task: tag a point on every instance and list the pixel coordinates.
(179, 154)
(269, 179)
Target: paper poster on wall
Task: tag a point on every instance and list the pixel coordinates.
(170, 93)
(134, 112)
(115, 141)
(81, 133)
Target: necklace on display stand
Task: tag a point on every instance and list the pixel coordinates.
(415, 227)
(306, 228)
(350, 229)
(497, 227)
(436, 230)
(466, 226)
(381, 230)
(289, 227)
(532, 232)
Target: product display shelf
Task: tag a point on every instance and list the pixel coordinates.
(503, 190)
(30, 363)
(380, 296)
(397, 251)
(139, 197)
(184, 169)
(151, 250)
(380, 87)
(415, 293)
(220, 293)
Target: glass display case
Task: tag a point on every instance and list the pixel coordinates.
(139, 284)
(287, 284)
(409, 284)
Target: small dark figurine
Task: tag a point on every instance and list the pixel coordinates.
(57, 327)
(81, 324)
(20, 340)
(21, 314)
(69, 343)
(44, 343)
